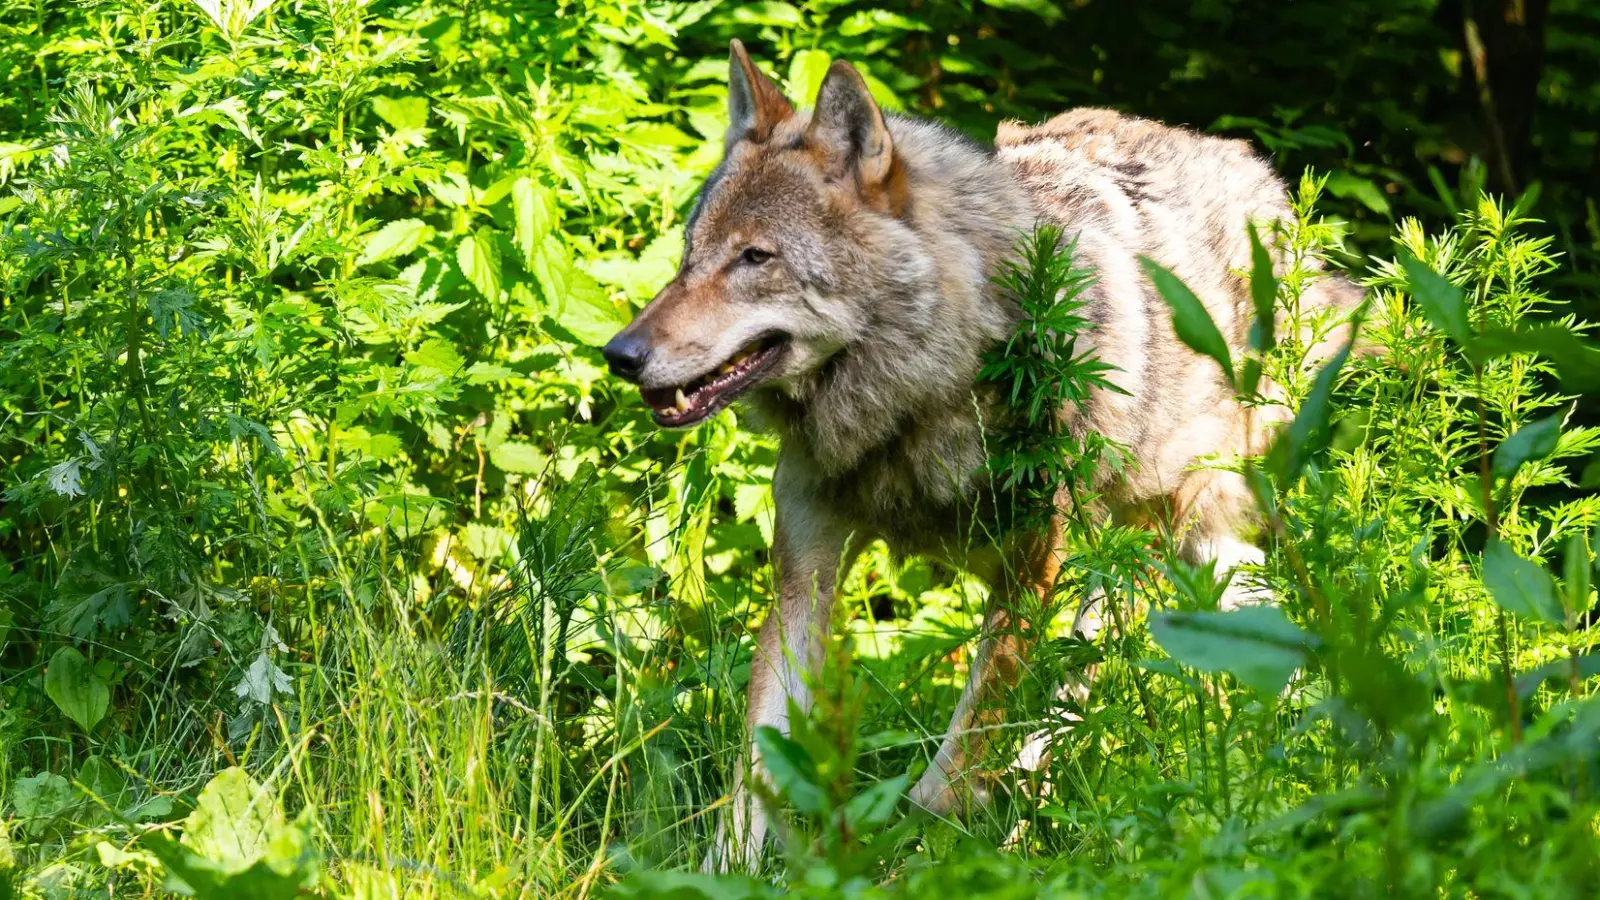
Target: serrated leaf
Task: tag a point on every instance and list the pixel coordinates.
(394, 239)
(478, 255)
(534, 208)
(1535, 440)
(1442, 302)
(262, 680)
(436, 355)
(1520, 586)
(233, 820)
(66, 477)
(1256, 644)
(1189, 317)
(76, 690)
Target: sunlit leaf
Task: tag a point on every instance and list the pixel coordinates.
(1189, 317)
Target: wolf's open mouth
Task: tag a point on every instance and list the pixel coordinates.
(689, 404)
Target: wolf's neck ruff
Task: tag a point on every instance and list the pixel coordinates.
(903, 391)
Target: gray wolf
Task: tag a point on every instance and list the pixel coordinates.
(836, 278)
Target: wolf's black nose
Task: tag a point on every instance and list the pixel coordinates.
(626, 353)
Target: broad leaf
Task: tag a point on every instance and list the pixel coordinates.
(233, 821)
(478, 255)
(806, 70)
(1520, 586)
(872, 807)
(394, 239)
(793, 772)
(535, 211)
(1442, 302)
(1189, 317)
(514, 456)
(1577, 361)
(1535, 440)
(1256, 644)
(74, 687)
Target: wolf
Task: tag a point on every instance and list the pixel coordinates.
(838, 279)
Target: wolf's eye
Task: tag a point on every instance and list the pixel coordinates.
(754, 256)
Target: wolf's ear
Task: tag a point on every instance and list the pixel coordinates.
(848, 128)
(755, 103)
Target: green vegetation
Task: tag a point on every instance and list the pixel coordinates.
(336, 566)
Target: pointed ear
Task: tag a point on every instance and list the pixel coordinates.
(755, 103)
(848, 129)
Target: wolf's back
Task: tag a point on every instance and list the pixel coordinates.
(1128, 187)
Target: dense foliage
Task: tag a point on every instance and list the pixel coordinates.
(335, 563)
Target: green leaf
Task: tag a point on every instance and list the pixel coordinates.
(1309, 431)
(436, 355)
(1535, 440)
(1049, 10)
(793, 772)
(872, 807)
(81, 694)
(402, 112)
(512, 456)
(1577, 574)
(807, 68)
(1520, 586)
(860, 23)
(102, 780)
(1363, 190)
(534, 207)
(394, 239)
(1577, 361)
(1256, 644)
(233, 820)
(768, 12)
(573, 299)
(1189, 317)
(41, 796)
(1263, 295)
(1442, 302)
(478, 255)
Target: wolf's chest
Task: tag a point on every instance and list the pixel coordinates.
(926, 492)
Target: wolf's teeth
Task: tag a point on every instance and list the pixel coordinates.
(683, 402)
(726, 368)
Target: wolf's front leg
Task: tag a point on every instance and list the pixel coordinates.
(1002, 652)
(809, 550)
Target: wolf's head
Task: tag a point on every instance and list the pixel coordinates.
(792, 242)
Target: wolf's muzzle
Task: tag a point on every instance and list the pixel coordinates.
(626, 354)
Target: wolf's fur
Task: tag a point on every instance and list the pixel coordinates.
(885, 234)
